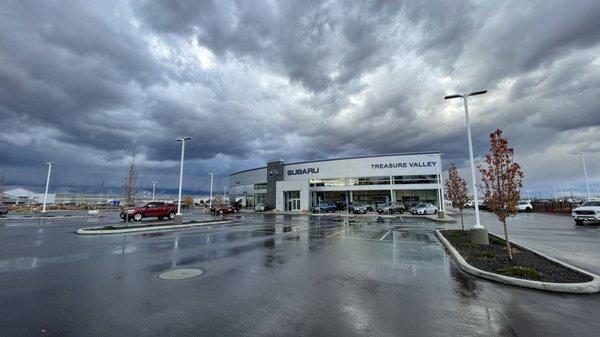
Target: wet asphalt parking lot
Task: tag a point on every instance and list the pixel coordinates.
(281, 275)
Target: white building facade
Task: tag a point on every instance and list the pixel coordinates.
(23, 196)
(407, 178)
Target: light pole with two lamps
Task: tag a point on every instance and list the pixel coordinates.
(479, 234)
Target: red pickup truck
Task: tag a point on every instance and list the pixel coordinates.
(153, 209)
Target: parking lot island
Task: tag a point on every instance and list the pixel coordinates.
(529, 269)
(148, 227)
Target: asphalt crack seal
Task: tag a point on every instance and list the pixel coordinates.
(180, 274)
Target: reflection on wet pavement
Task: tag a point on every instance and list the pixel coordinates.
(265, 275)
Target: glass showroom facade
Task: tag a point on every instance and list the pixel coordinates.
(407, 178)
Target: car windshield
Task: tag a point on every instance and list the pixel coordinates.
(523, 202)
(591, 204)
(421, 205)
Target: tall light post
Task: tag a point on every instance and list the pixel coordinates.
(478, 227)
(154, 190)
(210, 196)
(47, 184)
(178, 220)
(587, 184)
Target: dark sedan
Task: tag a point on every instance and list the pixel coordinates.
(3, 209)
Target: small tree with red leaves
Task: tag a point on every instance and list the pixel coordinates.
(502, 181)
(457, 192)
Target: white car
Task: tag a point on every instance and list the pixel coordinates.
(524, 206)
(424, 209)
(589, 211)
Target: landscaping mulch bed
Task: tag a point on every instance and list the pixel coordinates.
(525, 264)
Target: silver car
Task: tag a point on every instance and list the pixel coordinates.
(424, 208)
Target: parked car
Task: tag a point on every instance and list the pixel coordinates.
(359, 208)
(391, 208)
(237, 205)
(424, 208)
(260, 207)
(524, 206)
(153, 209)
(3, 209)
(369, 207)
(324, 207)
(588, 211)
(223, 208)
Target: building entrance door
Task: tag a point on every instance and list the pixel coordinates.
(292, 200)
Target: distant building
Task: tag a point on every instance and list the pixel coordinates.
(23, 196)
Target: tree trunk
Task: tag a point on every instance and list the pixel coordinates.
(462, 222)
(507, 242)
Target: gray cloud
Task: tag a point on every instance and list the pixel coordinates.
(90, 84)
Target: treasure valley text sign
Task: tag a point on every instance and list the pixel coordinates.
(404, 165)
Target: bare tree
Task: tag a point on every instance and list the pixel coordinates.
(457, 192)
(502, 181)
(130, 184)
(1, 187)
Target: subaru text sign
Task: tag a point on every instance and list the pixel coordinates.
(311, 170)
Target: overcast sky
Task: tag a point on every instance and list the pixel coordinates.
(90, 84)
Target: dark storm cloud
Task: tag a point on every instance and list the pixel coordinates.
(92, 84)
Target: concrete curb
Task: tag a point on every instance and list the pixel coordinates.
(30, 218)
(93, 231)
(592, 286)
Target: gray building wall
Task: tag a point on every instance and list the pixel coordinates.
(274, 174)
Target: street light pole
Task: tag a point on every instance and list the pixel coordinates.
(473, 178)
(479, 234)
(47, 184)
(177, 219)
(211, 185)
(154, 190)
(587, 184)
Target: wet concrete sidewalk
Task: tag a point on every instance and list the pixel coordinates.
(275, 275)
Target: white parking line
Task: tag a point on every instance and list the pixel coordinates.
(336, 233)
(386, 234)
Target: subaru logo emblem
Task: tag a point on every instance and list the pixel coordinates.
(273, 173)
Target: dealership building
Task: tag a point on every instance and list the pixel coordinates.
(409, 177)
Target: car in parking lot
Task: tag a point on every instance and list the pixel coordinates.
(359, 208)
(324, 207)
(223, 208)
(424, 208)
(391, 208)
(155, 209)
(524, 206)
(588, 211)
(260, 207)
(3, 209)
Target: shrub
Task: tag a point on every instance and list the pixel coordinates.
(468, 245)
(519, 271)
